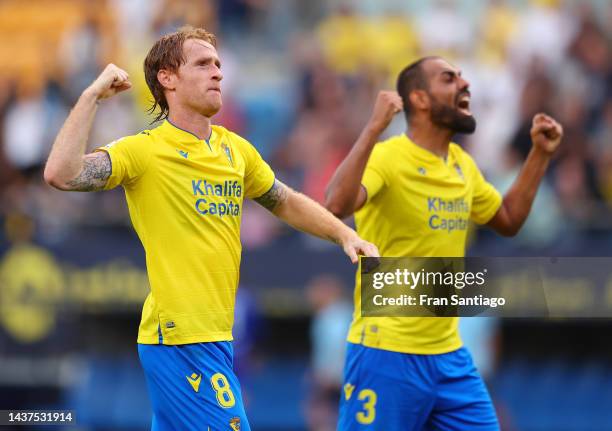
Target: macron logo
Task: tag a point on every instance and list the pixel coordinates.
(194, 380)
(183, 153)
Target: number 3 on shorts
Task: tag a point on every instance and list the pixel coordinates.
(367, 416)
(225, 396)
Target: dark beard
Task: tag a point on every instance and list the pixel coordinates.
(451, 118)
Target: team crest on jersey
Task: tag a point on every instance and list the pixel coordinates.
(235, 423)
(228, 153)
(422, 170)
(459, 171)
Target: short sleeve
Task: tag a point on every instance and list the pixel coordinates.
(374, 177)
(258, 176)
(129, 159)
(486, 199)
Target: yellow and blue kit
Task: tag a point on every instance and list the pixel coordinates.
(418, 205)
(185, 198)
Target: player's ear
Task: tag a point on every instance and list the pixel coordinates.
(419, 99)
(166, 79)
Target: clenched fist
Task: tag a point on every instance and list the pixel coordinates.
(111, 81)
(546, 133)
(388, 103)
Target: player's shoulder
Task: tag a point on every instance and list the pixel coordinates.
(140, 139)
(144, 136)
(388, 144)
(392, 141)
(388, 148)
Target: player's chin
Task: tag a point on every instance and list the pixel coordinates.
(212, 108)
(464, 123)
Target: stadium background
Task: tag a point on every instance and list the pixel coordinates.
(300, 80)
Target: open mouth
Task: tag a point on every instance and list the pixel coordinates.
(464, 104)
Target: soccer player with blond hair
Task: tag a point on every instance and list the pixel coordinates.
(185, 182)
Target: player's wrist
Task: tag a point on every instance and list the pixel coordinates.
(348, 236)
(376, 126)
(91, 94)
(541, 151)
(373, 130)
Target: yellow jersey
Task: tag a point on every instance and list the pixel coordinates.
(418, 205)
(185, 198)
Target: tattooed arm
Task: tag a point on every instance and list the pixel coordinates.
(94, 173)
(68, 168)
(304, 214)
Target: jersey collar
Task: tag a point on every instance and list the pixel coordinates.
(426, 155)
(181, 135)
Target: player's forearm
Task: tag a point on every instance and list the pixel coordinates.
(343, 189)
(520, 197)
(66, 159)
(306, 215)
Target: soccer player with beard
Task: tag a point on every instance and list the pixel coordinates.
(413, 195)
(185, 182)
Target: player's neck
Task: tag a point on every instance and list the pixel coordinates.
(192, 122)
(434, 139)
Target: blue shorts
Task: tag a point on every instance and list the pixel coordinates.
(386, 390)
(193, 387)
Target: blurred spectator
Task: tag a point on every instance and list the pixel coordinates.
(457, 37)
(344, 38)
(536, 96)
(173, 14)
(330, 323)
(602, 140)
(81, 54)
(246, 331)
(499, 26)
(480, 336)
(26, 142)
(544, 31)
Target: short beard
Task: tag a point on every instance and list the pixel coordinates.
(451, 118)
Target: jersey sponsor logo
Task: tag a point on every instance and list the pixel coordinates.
(185, 154)
(234, 423)
(348, 391)
(226, 189)
(220, 199)
(194, 380)
(448, 214)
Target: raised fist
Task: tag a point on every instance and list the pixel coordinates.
(546, 133)
(388, 103)
(111, 81)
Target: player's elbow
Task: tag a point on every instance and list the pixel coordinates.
(52, 177)
(336, 208)
(509, 230)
